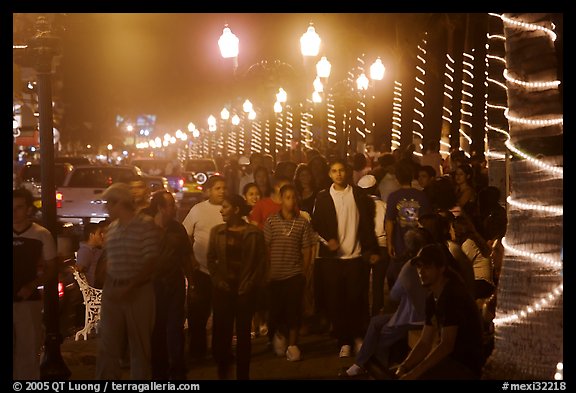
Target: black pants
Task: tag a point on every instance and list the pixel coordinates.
(345, 283)
(286, 304)
(232, 311)
(168, 361)
(379, 271)
(199, 309)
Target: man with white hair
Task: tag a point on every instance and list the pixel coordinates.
(128, 303)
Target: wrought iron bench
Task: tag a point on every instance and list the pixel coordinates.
(92, 300)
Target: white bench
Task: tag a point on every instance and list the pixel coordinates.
(92, 300)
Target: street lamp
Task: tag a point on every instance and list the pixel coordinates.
(44, 47)
(248, 109)
(377, 70)
(323, 68)
(310, 42)
(229, 46)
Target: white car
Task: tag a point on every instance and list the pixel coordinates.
(79, 199)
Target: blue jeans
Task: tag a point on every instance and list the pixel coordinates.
(379, 339)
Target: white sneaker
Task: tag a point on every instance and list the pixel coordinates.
(279, 344)
(293, 353)
(345, 351)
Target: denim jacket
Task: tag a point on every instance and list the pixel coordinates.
(253, 255)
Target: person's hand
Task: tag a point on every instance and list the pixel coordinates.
(374, 259)
(333, 245)
(26, 291)
(391, 250)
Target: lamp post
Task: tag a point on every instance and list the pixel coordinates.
(43, 48)
(248, 108)
(225, 130)
(310, 43)
(377, 71)
(229, 46)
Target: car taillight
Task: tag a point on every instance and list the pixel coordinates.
(59, 198)
(60, 290)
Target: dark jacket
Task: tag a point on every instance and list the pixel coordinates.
(325, 222)
(253, 255)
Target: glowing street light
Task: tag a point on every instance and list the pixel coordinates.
(323, 68)
(191, 127)
(281, 96)
(310, 42)
(211, 123)
(229, 46)
(316, 97)
(228, 43)
(277, 107)
(377, 70)
(247, 106)
(362, 82)
(251, 115)
(235, 120)
(224, 114)
(318, 86)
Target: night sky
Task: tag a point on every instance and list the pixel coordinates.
(170, 65)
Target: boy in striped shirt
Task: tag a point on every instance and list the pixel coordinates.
(289, 239)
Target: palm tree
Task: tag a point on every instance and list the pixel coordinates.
(529, 316)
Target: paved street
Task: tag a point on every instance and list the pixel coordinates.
(320, 361)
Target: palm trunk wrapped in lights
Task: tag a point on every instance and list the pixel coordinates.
(529, 314)
(496, 123)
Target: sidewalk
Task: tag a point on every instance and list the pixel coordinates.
(320, 361)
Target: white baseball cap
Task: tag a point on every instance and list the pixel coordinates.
(367, 181)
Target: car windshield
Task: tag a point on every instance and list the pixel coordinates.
(95, 177)
(33, 173)
(202, 166)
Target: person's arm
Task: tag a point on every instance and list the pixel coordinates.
(189, 224)
(419, 352)
(389, 225)
(82, 259)
(46, 271)
(438, 353)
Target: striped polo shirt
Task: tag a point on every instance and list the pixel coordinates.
(129, 247)
(285, 240)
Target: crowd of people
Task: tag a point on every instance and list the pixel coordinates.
(280, 251)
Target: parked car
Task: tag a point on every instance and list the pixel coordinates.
(156, 183)
(79, 200)
(161, 167)
(30, 178)
(74, 160)
(197, 171)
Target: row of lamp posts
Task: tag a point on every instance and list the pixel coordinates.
(315, 105)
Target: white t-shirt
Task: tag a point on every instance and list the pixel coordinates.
(481, 264)
(200, 220)
(348, 219)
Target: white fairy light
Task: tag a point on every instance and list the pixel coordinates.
(527, 254)
(530, 206)
(514, 317)
(529, 26)
(531, 85)
(498, 83)
(533, 122)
